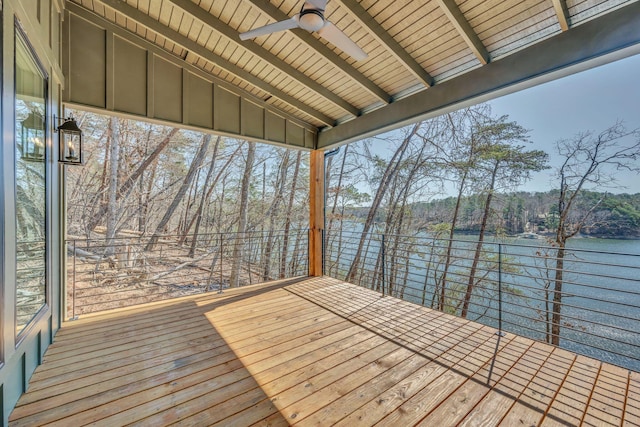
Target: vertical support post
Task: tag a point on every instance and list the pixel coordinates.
(316, 212)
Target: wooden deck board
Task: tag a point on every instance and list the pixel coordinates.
(533, 402)
(390, 399)
(367, 392)
(607, 400)
(475, 388)
(493, 406)
(313, 351)
(632, 403)
(570, 403)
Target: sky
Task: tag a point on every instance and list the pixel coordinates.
(592, 100)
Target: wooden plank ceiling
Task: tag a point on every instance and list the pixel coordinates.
(412, 46)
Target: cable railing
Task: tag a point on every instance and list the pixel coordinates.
(584, 300)
(103, 274)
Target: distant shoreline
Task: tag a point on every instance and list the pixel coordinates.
(550, 235)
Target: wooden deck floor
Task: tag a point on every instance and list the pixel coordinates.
(313, 352)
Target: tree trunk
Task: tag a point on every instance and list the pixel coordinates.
(101, 197)
(141, 211)
(112, 208)
(195, 165)
(198, 215)
(205, 195)
(287, 224)
(147, 195)
(236, 260)
(271, 213)
(427, 272)
(191, 197)
(556, 317)
(447, 263)
(395, 221)
(143, 197)
(478, 251)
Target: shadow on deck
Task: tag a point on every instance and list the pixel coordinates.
(313, 351)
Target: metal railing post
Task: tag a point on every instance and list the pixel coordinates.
(324, 249)
(499, 332)
(308, 252)
(220, 259)
(383, 263)
(73, 289)
(500, 289)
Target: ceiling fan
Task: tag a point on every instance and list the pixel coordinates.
(311, 18)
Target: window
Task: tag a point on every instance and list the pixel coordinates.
(30, 154)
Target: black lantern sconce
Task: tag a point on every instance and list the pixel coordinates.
(32, 137)
(70, 142)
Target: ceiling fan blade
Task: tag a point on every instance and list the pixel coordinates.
(315, 4)
(333, 35)
(271, 28)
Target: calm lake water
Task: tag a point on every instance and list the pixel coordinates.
(601, 287)
(601, 312)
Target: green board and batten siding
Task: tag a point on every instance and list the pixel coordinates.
(111, 70)
(19, 356)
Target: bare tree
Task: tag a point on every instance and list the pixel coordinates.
(114, 161)
(206, 192)
(127, 185)
(589, 160)
(195, 166)
(459, 156)
(234, 281)
(389, 172)
(289, 211)
(278, 199)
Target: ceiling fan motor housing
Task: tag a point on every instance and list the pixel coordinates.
(311, 20)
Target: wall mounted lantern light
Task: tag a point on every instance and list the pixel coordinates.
(32, 137)
(70, 141)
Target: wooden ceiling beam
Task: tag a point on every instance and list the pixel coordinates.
(277, 15)
(388, 42)
(262, 53)
(455, 16)
(153, 25)
(610, 37)
(562, 13)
